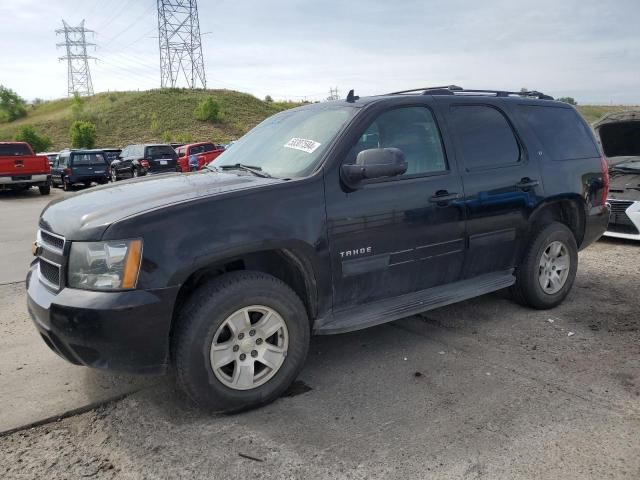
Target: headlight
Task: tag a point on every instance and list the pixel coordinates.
(112, 265)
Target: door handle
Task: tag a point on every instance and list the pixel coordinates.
(527, 183)
(442, 196)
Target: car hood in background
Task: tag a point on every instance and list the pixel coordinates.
(87, 214)
(624, 186)
(619, 135)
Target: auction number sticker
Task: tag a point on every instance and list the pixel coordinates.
(303, 144)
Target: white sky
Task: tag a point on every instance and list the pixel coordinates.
(299, 49)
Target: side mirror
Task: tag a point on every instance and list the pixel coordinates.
(375, 163)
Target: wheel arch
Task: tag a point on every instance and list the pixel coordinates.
(290, 265)
(569, 210)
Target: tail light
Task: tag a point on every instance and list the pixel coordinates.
(144, 163)
(605, 181)
(67, 171)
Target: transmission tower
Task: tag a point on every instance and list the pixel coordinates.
(75, 41)
(333, 94)
(180, 45)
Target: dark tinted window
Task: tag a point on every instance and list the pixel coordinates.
(484, 136)
(88, 159)
(14, 149)
(208, 147)
(160, 151)
(411, 129)
(562, 132)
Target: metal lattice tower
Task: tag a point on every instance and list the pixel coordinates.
(180, 44)
(75, 41)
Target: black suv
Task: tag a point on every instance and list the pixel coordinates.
(73, 167)
(326, 218)
(138, 160)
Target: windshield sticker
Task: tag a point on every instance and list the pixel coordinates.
(303, 144)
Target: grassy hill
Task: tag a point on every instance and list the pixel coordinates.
(122, 118)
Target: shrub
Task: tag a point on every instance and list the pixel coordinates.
(39, 143)
(12, 107)
(77, 106)
(83, 134)
(268, 99)
(208, 111)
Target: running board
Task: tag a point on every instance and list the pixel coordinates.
(390, 309)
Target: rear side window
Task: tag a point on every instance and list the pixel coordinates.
(208, 147)
(88, 159)
(484, 137)
(561, 131)
(14, 149)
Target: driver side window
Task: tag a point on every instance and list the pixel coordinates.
(411, 129)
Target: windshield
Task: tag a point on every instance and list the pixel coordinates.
(289, 144)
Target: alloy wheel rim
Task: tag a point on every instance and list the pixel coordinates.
(553, 268)
(249, 347)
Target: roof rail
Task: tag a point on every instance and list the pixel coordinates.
(456, 90)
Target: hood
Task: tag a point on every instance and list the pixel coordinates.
(619, 135)
(86, 215)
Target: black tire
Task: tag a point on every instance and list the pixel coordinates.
(114, 176)
(527, 289)
(65, 185)
(205, 312)
(135, 173)
(45, 189)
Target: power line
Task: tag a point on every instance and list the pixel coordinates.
(180, 44)
(78, 74)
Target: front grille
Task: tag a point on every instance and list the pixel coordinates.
(622, 228)
(52, 240)
(50, 273)
(619, 206)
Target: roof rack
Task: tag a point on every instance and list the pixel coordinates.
(456, 90)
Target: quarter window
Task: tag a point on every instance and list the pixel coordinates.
(410, 129)
(484, 137)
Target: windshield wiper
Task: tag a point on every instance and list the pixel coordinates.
(257, 171)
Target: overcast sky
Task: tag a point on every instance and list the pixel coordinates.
(294, 49)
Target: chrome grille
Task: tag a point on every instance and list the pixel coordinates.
(49, 273)
(50, 259)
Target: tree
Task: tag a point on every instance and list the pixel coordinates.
(569, 100)
(39, 143)
(12, 106)
(208, 111)
(83, 134)
(268, 99)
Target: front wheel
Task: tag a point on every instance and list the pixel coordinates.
(114, 175)
(240, 341)
(548, 268)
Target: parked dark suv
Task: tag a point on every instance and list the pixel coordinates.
(326, 218)
(73, 167)
(138, 160)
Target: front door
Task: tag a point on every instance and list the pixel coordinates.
(402, 234)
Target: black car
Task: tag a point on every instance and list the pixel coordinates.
(326, 218)
(73, 167)
(138, 160)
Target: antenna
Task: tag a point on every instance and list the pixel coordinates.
(181, 56)
(78, 74)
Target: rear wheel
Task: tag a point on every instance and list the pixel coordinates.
(548, 268)
(66, 186)
(240, 342)
(45, 189)
(114, 175)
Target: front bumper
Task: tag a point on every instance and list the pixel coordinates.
(120, 331)
(625, 220)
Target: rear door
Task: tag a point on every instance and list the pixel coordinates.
(402, 234)
(501, 181)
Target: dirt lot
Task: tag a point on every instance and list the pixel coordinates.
(483, 389)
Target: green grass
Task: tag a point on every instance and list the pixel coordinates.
(123, 118)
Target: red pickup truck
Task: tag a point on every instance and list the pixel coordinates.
(21, 168)
(205, 152)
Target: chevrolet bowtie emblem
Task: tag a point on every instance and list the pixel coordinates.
(36, 249)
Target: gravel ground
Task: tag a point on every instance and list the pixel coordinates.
(482, 389)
